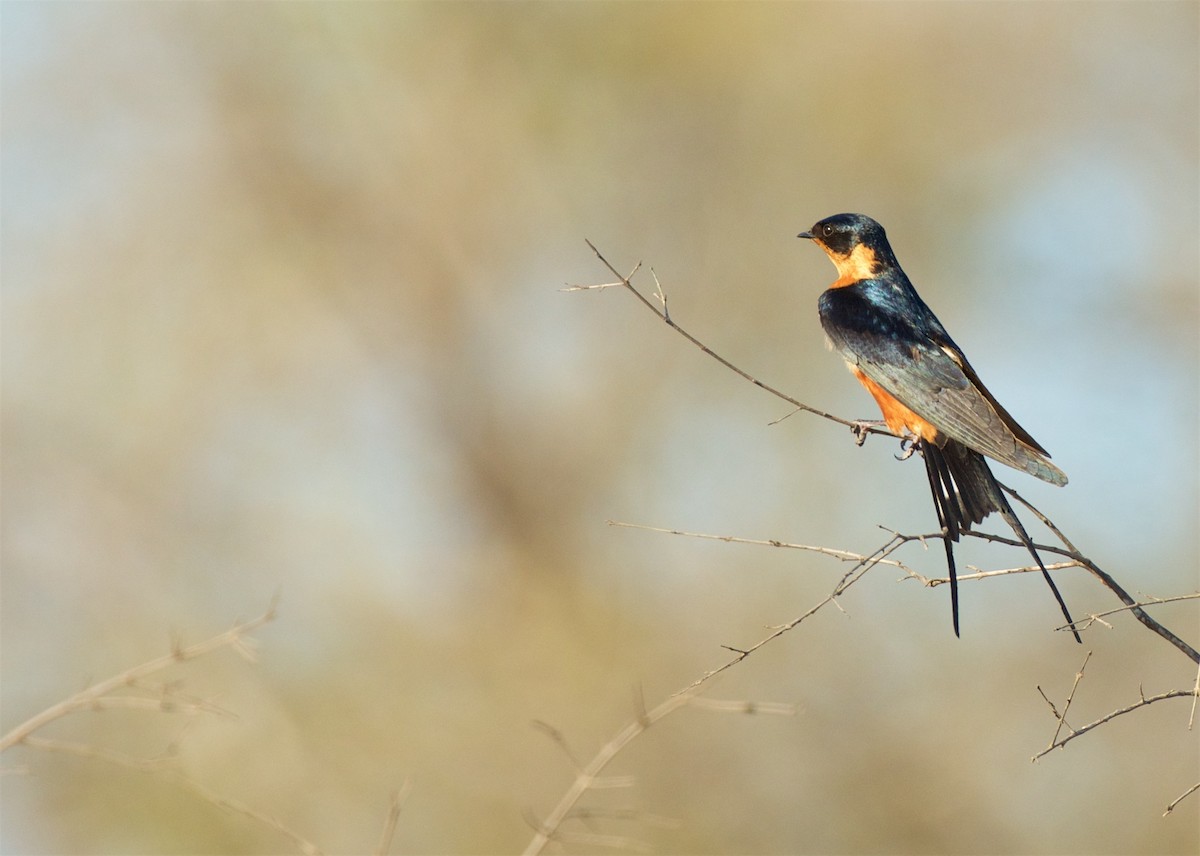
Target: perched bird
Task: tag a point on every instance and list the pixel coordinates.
(928, 393)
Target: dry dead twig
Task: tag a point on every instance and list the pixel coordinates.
(393, 817)
(97, 695)
(165, 767)
(587, 776)
(1057, 742)
(665, 316)
(1181, 798)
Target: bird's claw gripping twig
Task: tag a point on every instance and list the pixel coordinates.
(860, 428)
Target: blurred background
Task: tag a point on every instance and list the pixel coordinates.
(282, 314)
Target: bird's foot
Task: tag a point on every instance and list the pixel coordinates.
(908, 445)
(862, 427)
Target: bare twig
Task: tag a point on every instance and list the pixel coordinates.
(612, 842)
(1098, 617)
(165, 768)
(1124, 596)
(1195, 698)
(979, 574)
(588, 776)
(665, 316)
(557, 736)
(163, 696)
(848, 579)
(1062, 719)
(1142, 702)
(235, 638)
(1181, 798)
(167, 700)
(748, 707)
(548, 828)
(393, 816)
(844, 555)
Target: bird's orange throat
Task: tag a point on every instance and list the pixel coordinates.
(860, 263)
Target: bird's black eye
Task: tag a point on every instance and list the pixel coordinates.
(827, 230)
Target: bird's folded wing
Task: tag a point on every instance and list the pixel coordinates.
(938, 385)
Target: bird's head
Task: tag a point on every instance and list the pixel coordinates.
(856, 244)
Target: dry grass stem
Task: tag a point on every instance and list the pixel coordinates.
(97, 695)
(166, 768)
(393, 816)
(587, 776)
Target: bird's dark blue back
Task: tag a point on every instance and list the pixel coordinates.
(885, 311)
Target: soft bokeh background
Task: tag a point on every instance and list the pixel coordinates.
(282, 314)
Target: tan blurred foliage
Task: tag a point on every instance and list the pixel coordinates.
(281, 315)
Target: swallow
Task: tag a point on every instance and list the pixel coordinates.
(929, 395)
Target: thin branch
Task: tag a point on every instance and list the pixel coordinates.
(979, 574)
(164, 768)
(850, 556)
(165, 703)
(1046, 521)
(627, 814)
(393, 816)
(234, 638)
(588, 776)
(1062, 720)
(1142, 702)
(850, 578)
(613, 842)
(665, 317)
(844, 555)
(1124, 596)
(548, 828)
(1195, 698)
(1084, 623)
(771, 708)
(1181, 798)
(557, 736)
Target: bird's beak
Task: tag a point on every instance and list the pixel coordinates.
(808, 235)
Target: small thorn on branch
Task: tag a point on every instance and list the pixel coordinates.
(557, 736)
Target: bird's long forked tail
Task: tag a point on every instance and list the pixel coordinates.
(964, 493)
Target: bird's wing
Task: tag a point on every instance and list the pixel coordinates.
(937, 383)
